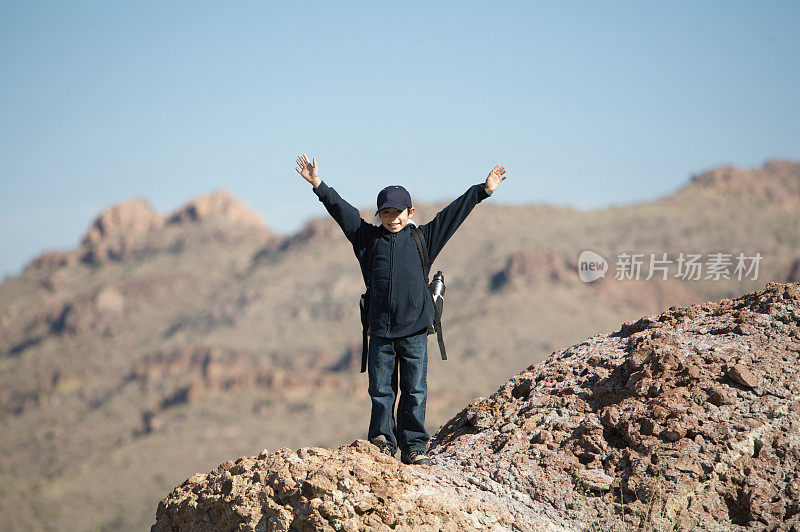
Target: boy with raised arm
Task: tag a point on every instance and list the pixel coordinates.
(400, 306)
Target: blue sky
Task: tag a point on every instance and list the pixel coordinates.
(587, 103)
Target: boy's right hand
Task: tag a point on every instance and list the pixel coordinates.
(309, 170)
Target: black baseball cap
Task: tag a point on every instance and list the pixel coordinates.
(393, 196)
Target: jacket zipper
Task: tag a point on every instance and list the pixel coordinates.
(391, 276)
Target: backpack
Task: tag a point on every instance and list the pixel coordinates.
(422, 248)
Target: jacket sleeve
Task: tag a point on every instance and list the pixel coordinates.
(439, 230)
(347, 216)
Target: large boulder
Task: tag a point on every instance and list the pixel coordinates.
(690, 418)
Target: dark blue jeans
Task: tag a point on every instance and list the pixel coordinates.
(403, 360)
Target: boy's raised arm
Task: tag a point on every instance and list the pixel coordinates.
(347, 216)
(439, 230)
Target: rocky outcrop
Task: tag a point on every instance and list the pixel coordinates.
(53, 259)
(133, 226)
(217, 205)
(690, 418)
(351, 488)
(112, 236)
(116, 232)
(775, 182)
(131, 218)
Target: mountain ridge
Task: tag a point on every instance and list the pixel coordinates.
(775, 182)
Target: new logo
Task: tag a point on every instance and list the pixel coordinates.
(591, 266)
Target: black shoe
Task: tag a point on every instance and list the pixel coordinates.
(384, 445)
(416, 457)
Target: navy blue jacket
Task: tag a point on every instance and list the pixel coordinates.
(400, 303)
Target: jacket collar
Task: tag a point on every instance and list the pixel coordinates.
(385, 231)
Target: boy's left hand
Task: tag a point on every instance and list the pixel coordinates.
(496, 176)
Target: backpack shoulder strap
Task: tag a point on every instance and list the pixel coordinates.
(419, 237)
(426, 270)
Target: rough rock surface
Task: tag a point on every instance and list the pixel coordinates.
(351, 488)
(688, 419)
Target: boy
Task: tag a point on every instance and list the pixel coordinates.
(400, 306)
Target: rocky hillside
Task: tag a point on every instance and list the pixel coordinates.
(166, 342)
(682, 420)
